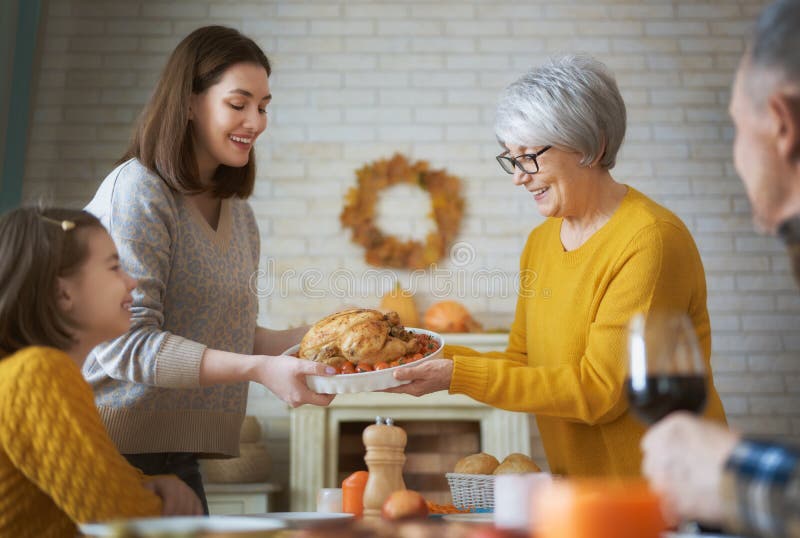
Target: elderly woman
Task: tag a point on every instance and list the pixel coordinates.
(604, 253)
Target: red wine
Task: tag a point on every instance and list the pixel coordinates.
(663, 394)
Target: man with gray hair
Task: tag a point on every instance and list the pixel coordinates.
(706, 472)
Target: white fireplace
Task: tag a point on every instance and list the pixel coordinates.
(315, 430)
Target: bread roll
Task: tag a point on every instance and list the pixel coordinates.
(518, 456)
(480, 463)
(517, 463)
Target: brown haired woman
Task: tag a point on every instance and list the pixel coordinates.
(175, 385)
(63, 293)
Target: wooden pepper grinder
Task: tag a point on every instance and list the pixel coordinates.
(385, 458)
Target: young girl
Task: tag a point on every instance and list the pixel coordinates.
(62, 293)
(175, 386)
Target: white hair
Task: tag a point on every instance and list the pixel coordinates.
(572, 102)
(775, 49)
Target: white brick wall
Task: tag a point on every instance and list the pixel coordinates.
(354, 81)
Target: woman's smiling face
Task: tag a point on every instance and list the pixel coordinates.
(229, 116)
(553, 187)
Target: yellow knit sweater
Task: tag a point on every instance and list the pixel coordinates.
(566, 360)
(57, 463)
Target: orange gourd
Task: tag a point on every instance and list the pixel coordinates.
(450, 317)
(353, 493)
(402, 302)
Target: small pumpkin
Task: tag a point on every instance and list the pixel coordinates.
(450, 317)
(402, 302)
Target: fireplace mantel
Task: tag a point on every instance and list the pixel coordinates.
(315, 430)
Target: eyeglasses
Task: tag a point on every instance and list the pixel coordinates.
(527, 162)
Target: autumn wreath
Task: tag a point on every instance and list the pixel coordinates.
(382, 250)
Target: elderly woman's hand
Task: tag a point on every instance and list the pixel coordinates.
(683, 460)
(430, 376)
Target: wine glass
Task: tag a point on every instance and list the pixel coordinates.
(666, 370)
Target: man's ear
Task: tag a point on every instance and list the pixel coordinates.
(785, 111)
(64, 295)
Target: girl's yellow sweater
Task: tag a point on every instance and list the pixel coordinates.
(566, 360)
(57, 464)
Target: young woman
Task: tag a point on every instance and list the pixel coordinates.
(63, 293)
(175, 386)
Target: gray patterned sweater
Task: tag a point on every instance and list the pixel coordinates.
(193, 291)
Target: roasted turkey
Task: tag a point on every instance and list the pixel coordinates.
(358, 336)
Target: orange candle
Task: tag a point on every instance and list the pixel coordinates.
(598, 509)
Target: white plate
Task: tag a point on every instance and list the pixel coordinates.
(303, 520)
(487, 517)
(365, 381)
(162, 525)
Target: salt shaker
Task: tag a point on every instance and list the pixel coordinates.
(329, 500)
(385, 458)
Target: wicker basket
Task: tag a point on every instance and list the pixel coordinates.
(472, 491)
(251, 430)
(253, 465)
